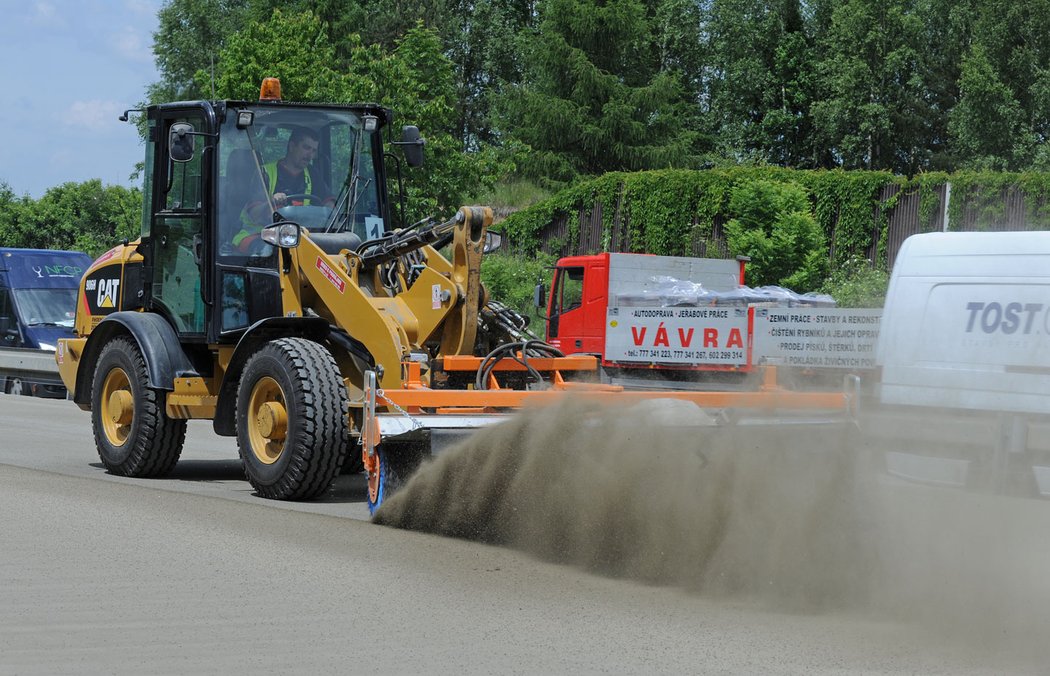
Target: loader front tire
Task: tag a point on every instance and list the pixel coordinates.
(133, 433)
(292, 431)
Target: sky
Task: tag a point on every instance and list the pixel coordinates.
(69, 69)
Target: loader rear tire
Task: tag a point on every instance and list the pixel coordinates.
(133, 433)
(292, 429)
(397, 462)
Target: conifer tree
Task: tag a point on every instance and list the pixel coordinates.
(591, 102)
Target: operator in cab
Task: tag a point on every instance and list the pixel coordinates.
(290, 175)
(289, 182)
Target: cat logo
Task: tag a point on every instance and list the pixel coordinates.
(107, 292)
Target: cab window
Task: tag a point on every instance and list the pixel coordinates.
(569, 291)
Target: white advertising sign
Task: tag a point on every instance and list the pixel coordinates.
(677, 335)
(816, 337)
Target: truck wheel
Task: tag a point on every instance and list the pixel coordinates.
(133, 433)
(397, 462)
(292, 409)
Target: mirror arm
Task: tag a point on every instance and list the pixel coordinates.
(124, 116)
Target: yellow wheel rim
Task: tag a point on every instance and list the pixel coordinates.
(267, 420)
(118, 407)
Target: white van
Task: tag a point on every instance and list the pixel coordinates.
(966, 338)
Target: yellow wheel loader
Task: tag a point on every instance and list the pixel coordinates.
(301, 320)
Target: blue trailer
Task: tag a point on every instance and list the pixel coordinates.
(38, 298)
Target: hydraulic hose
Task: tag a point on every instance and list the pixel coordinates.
(538, 348)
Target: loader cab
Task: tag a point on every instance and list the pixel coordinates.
(210, 175)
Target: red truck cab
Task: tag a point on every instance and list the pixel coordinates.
(579, 297)
(582, 287)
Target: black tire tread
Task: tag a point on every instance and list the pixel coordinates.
(158, 439)
(320, 396)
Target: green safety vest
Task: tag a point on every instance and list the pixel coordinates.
(271, 174)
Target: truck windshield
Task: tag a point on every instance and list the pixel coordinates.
(317, 162)
(46, 307)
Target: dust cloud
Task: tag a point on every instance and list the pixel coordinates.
(798, 516)
(634, 493)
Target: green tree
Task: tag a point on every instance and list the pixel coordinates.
(378, 22)
(416, 80)
(474, 35)
(678, 28)
(291, 47)
(10, 209)
(588, 103)
(857, 283)
(84, 216)
(1002, 119)
(762, 82)
(512, 279)
(479, 42)
(947, 27)
(190, 34)
(773, 225)
(873, 113)
(988, 121)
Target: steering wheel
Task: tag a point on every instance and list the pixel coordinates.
(303, 196)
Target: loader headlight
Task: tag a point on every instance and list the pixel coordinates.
(493, 241)
(284, 235)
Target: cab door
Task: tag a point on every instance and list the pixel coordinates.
(566, 308)
(180, 269)
(247, 279)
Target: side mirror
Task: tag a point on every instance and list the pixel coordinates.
(180, 142)
(413, 145)
(493, 241)
(9, 332)
(539, 295)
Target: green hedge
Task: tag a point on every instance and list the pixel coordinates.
(666, 211)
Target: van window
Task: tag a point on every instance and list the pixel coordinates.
(46, 307)
(9, 334)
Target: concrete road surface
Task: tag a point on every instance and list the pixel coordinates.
(195, 575)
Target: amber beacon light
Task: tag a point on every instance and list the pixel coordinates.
(270, 90)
